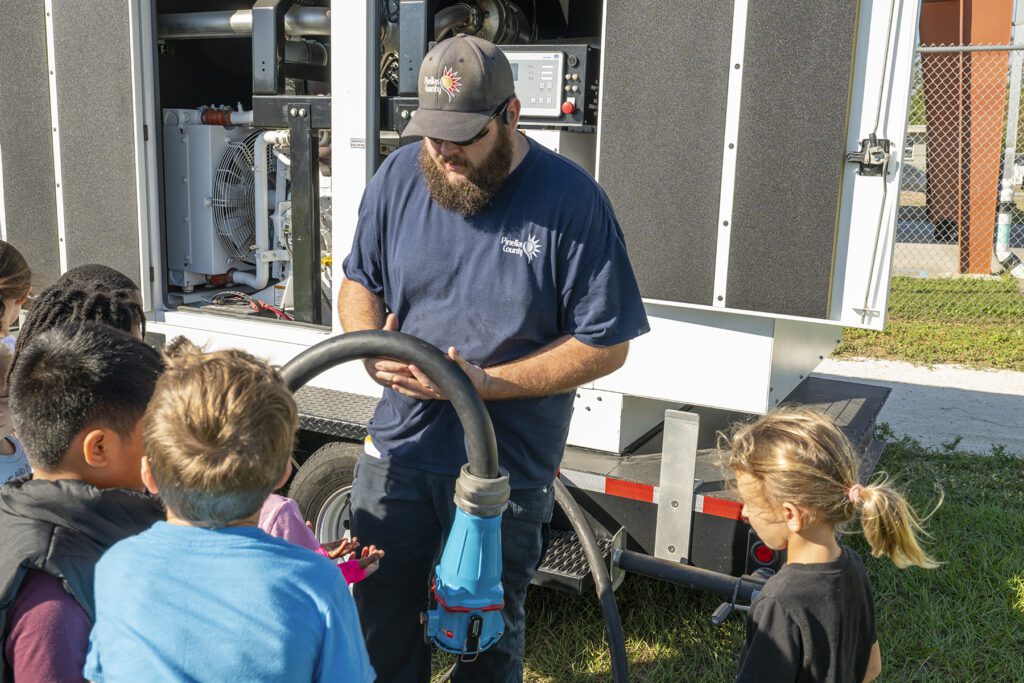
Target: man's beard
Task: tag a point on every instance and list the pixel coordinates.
(475, 191)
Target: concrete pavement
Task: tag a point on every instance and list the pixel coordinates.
(937, 404)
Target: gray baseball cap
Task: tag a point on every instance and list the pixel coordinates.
(463, 81)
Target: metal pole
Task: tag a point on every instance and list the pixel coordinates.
(305, 215)
(969, 48)
(299, 21)
(743, 588)
(1007, 259)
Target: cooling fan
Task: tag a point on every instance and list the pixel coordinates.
(233, 199)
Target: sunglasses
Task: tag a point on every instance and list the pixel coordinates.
(500, 111)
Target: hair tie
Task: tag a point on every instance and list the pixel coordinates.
(853, 493)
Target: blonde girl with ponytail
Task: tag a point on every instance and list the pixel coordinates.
(798, 477)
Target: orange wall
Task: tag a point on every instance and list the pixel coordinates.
(965, 96)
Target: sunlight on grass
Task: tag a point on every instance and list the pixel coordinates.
(1017, 586)
(961, 622)
(965, 321)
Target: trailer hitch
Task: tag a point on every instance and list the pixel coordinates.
(754, 582)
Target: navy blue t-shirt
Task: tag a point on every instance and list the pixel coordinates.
(546, 259)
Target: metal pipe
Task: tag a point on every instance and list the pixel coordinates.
(460, 16)
(226, 117)
(743, 588)
(967, 48)
(305, 52)
(299, 21)
(1009, 261)
(261, 277)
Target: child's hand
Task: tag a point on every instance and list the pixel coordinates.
(338, 549)
(370, 559)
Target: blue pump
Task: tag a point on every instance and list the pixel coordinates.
(467, 588)
(466, 619)
(467, 592)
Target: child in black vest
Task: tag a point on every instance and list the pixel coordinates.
(815, 621)
(78, 397)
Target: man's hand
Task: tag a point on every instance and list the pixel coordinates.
(419, 385)
(383, 371)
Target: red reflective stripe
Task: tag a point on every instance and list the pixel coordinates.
(629, 489)
(444, 605)
(729, 509)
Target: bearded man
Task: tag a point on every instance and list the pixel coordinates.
(508, 257)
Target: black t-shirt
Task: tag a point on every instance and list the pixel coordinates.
(811, 622)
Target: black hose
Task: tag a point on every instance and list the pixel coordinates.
(481, 447)
(725, 585)
(602, 582)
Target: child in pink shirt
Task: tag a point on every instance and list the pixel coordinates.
(281, 517)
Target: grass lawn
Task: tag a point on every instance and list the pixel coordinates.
(973, 322)
(962, 622)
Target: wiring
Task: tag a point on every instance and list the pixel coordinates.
(258, 308)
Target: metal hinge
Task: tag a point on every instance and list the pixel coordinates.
(873, 156)
(145, 132)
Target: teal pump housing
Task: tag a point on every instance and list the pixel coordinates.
(467, 592)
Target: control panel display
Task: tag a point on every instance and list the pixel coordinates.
(538, 79)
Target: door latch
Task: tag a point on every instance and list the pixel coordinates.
(872, 157)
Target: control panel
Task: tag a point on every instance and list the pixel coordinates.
(557, 85)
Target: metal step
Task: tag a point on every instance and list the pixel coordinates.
(334, 413)
(565, 565)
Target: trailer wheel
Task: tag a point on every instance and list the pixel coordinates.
(323, 489)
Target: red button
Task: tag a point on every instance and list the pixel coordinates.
(568, 107)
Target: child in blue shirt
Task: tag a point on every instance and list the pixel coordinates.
(207, 595)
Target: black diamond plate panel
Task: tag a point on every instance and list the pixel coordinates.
(334, 413)
(565, 565)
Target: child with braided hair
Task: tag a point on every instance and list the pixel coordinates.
(91, 293)
(797, 475)
(98, 276)
(15, 285)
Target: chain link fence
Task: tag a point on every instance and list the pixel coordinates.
(957, 247)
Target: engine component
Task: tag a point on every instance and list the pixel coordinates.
(460, 18)
(499, 21)
(226, 117)
(234, 196)
(299, 21)
(504, 22)
(193, 155)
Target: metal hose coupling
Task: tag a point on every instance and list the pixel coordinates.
(481, 497)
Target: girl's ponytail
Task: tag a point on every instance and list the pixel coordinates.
(891, 526)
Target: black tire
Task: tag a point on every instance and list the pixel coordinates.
(323, 486)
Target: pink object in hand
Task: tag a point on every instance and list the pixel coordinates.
(351, 569)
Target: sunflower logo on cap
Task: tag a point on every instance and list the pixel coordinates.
(451, 82)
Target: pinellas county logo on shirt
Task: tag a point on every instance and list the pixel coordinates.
(530, 248)
(450, 83)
